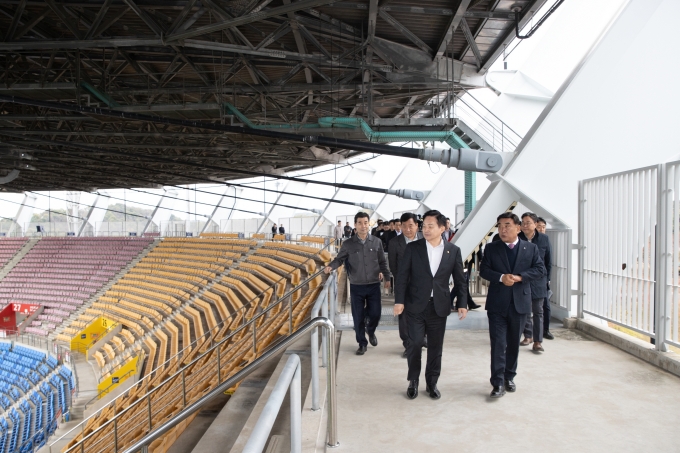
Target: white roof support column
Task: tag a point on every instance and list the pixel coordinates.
(95, 213)
(269, 213)
(163, 209)
(217, 206)
(350, 178)
(24, 213)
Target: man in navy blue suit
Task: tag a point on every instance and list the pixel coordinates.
(510, 265)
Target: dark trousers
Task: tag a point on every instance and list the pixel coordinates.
(430, 323)
(534, 327)
(505, 332)
(546, 315)
(365, 304)
(403, 330)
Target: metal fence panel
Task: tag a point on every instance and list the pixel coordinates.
(618, 236)
(560, 274)
(669, 263)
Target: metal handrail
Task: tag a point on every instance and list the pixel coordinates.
(256, 364)
(489, 111)
(323, 304)
(290, 378)
(106, 390)
(253, 321)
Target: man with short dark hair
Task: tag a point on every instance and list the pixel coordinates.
(282, 230)
(448, 233)
(376, 228)
(389, 235)
(541, 225)
(366, 267)
(348, 231)
(547, 312)
(410, 233)
(510, 265)
(274, 229)
(423, 292)
(533, 330)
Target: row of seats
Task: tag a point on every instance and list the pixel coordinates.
(243, 291)
(62, 273)
(153, 290)
(29, 413)
(8, 248)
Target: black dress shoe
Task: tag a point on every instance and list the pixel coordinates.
(404, 355)
(510, 386)
(548, 335)
(497, 392)
(433, 391)
(361, 350)
(472, 305)
(373, 340)
(412, 391)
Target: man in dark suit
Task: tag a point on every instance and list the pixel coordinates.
(510, 265)
(282, 230)
(395, 253)
(423, 292)
(534, 328)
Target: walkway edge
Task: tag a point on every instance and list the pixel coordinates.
(665, 360)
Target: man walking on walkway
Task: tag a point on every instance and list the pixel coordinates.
(410, 233)
(338, 233)
(422, 290)
(534, 328)
(366, 267)
(510, 265)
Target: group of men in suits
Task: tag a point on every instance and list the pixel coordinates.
(423, 264)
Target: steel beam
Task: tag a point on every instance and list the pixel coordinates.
(247, 19)
(451, 27)
(406, 32)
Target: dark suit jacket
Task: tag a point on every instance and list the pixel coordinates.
(539, 288)
(396, 251)
(529, 266)
(415, 280)
(282, 230)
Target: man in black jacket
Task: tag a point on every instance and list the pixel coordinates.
(422, 290)
(533, 330)
(395, 253)
(510, 265)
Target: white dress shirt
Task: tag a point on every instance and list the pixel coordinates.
(508, 244)
(434, 254)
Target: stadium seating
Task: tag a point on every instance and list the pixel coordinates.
(62, 273)
(34, 391)
(209, 304)
(8, 248)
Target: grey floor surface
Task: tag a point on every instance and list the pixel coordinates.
(580, 396)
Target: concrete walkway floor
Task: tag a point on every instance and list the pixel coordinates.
(579, 396)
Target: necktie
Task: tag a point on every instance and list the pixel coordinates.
(512, 246)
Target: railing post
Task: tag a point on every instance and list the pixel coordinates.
(296, 412)
(184, 390)
(255, 338)
(219, 362)
(115, 433)
(148, 398)
(290, 315)
(332, 395)
(581, 251)
(324, 334)
(661, 261)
